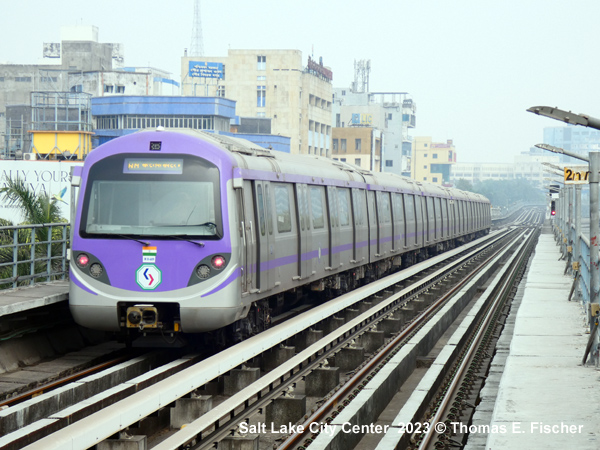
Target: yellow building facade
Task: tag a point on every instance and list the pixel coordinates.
(431, 161)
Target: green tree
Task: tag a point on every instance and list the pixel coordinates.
(36, 209)
(464, 185)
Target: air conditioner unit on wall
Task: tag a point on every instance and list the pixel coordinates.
(30, 156)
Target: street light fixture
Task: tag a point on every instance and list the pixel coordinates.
(594, 164)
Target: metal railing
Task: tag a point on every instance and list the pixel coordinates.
(33, 253)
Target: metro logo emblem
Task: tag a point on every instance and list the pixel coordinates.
(148, 276)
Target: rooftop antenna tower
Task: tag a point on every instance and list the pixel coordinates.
(362, 69)
(197, 47)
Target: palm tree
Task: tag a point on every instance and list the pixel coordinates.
(36, 209)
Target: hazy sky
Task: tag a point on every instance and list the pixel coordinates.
(472, 66)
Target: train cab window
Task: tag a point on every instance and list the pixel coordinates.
(344, 206)
(316, 205)
(282, 207)
(180, 197)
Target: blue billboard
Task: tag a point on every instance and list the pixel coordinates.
(203, 69)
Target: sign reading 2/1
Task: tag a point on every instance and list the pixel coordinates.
(577, 175)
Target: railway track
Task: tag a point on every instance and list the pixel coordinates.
(312, 342)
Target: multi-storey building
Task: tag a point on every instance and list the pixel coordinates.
(78, 64)
(360, 146)
(391, 113)
(273, 84)
(528, 165)
(431, 161)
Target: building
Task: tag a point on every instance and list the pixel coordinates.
(78, 64)
(391, 113)
(360, 146)
(529, 165)
(116, 116)
(575, 139)
(272, 84)
(432, 161)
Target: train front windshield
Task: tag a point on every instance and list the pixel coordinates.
(174, 195)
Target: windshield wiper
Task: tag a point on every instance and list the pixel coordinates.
(199, 244)
(133, 239)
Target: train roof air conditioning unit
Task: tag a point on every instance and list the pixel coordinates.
(30, 156)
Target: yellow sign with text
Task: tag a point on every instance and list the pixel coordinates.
(577, 175)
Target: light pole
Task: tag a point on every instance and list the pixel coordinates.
(594, 165)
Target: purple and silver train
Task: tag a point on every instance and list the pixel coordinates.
(188, 232)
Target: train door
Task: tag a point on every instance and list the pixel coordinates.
(332, 207)
(399, 221)
(411, 230)
(249, 239)
(384, 222)
(421, 225)
(361, 229)
(304, 232)
(372, 215)
(264, 235)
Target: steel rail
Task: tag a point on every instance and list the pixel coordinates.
(326, 410)
(499, 299)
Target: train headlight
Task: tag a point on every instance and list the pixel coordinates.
(96, 270)
(83, 260)
(203, 271)
(218, 262)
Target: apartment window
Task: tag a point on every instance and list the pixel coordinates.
(261, 92)
(389, 163)
(108, 89)
(220, 91)
(261, 78)
(434, 156)
(357, 144)
(343, 159)
(357, 162)
(261, 62)
(434, 179)
(343, 144)
(335, 145)
(260, 114)
(120, 89)
(23, 79)
(425, 155)
(390, 116)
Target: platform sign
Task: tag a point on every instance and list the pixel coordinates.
(577, 175)
(148, 277)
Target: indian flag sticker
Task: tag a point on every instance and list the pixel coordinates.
(149, 254)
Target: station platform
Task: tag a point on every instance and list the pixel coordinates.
(538, 395)
(31, 297)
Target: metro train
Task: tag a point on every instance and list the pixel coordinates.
(185, 232)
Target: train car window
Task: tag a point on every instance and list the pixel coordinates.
(282, 207)
(344, 206)
(398, 205)
(438, 217)
(269, 214)
(333, 206)
(358, 200)
(444, 208)
(385, 213)
(371, 199)
(316, 204)
(261, 209)
(431, 226)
